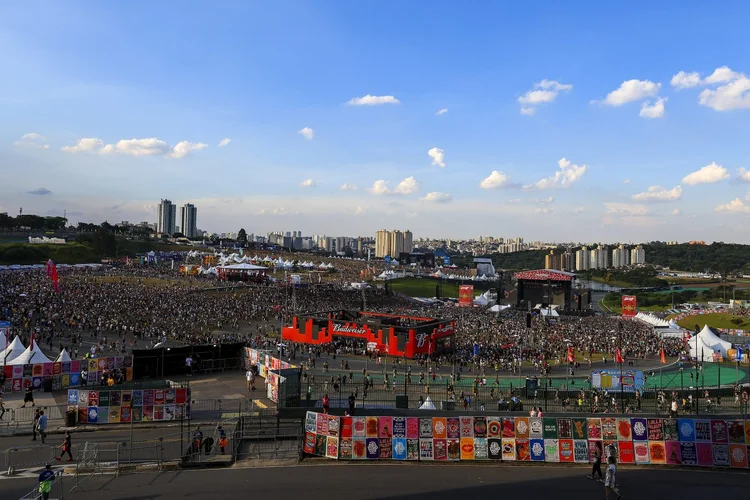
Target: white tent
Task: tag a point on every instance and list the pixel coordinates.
(63, 357)
(673, 325)
(711, 339)
(498, 308)
(427, 405)
(11, 352)
(549, 312)
(481, 301)
(700, 350)
(32, 355)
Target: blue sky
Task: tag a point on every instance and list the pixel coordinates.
(155, 87)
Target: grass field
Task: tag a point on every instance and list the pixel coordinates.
(418, 287)
(716, 320)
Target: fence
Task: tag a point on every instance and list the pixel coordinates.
(509, 397)
(57, 490)
(268, 437)
(19, 457)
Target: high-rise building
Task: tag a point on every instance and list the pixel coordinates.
(637, 255)
(553, 261)
(167, 218)
(189, 220)
(393, 243)
(583, 260)
(621, 256)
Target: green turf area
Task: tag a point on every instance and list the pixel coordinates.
(715, 320)
(420, 287)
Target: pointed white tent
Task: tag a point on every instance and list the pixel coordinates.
(63, 357)
(32, 355)
(700, 350)
(711, 339)
(428, 404)
(11, 352)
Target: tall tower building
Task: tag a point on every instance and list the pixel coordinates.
(167, 218)
(189, 220)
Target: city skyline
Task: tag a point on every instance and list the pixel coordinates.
(340, 118)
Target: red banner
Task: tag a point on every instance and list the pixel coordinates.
(628, 306)
(466, 295)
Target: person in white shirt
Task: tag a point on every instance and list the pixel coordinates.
(611, 491)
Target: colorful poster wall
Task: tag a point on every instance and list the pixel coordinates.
(654, 441)
(115, 407)
(265, 363)
(76, 373)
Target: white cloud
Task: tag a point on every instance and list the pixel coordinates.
(658, 193)
(736, 206)
(653, 110)
(272, 211)
(184, 148)
(138, 147)
(676, 211)
(373, 100)
(578, 210)
(626, 181)
(441, 112)
(543, 92)
(438, 197)
(495, 180)
(348, 187)
(514, 201)
(438, 157)
(307, 183)
(707, 175)
(361, 210)
(566, 176)
(224, 142)
(307, 133)
(683, 80)
(632, 90)
(626, 209)
(547, 201)
(32, 140)
(407, 186)
(543, 210)
(83, 145)
(743, 174)
(721, 75)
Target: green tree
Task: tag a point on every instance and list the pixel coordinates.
(242, 236)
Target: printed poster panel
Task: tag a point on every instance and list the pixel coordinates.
(321, 443)
(623, 429)
(670, 430)
(412, 428)
(73, 397)
(702, 430)
(580, 451)
(627, 452)
(747, 431)
(537, 450)
(594, 428)
(386, 428)
(509, 449)
(399, 448)
(373, 448)
(551, 450)
(439, 429)
(92, 414)
(566, 450)
(358, 426)
(609, 429)
(359, 448)
(412, 449)
(523, 450)
(454, 449)
(466, 425)
(467, 449)
(594, 447)
(333, 426)
(321, 425)
(721, 455)
(736, 431)
(480, 427)
(480, 449)
(564, 430)
(719, 432)
(454, 427)
(688, 453)
(386, 448)
(550, 428)
(495, 448)
(705, 454)
(640, 448)
(522, 427)
(639, 427)
(508, 428)
(738, 456)
(655, 430)
(673, 452)
(440, 449)
(372, 427)
(309, 446)
(346, 428)
(426, 449)
(425, 428)
(607, 444)
(686, 430)
(494, 428)
(536, 428)
(579, 428)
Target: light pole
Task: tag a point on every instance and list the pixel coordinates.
(622, 389)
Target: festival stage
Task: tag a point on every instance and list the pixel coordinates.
(550, 287)
(396, 335)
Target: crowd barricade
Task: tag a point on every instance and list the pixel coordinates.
(19, 457)
(656, 441)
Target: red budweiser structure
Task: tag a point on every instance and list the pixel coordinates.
(402, 336)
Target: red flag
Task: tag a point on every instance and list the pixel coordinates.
(55, 278)
(571, 355)
(618, 356)
(663, 357)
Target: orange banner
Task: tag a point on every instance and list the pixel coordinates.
(466, 295)
(628, 306)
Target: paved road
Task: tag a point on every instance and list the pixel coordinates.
(400, 481)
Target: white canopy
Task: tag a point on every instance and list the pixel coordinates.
(498, 308)
(549, 312)
(243, 267)
(711, 339)
(32, 355)
(13, 350)
(63, 357)
(652, 320)
(481, 301)
(427, 405)
(700, 350)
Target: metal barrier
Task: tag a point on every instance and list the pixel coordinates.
(28, 456)
(286, 446)
(16, 417)
(57, 490)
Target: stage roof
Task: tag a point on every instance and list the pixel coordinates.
(545, 275)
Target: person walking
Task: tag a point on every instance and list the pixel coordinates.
(222, 439)
(66, 447)
(2, 407)
(45, 481)
(352, 403)
(610, 481)
(41, 425)
(34, 428)
(28, 397)
(326, 403)
(197, 440)
(597, 465)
